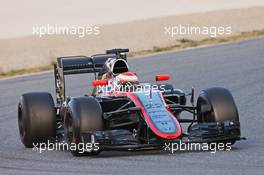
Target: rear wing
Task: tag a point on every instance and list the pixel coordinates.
(81, 64)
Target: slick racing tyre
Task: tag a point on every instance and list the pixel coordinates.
(216, 104)
(84, 116)
(36, 118)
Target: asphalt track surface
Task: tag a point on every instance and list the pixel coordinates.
(237, 66)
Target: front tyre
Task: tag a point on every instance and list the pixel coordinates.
(217, 105)
(84, 116)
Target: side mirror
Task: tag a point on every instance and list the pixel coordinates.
(99, 83)
(162, 77)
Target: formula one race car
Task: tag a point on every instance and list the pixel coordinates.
(122, 113)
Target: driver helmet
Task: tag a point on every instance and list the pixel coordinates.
(126, 79)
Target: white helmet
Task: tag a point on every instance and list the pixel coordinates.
(126, 79)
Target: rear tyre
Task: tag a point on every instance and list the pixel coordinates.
(216, 105)
(36, 118)
(84, 115)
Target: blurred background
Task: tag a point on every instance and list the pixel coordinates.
(136, 24)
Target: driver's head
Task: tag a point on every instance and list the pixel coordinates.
(126, 79)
